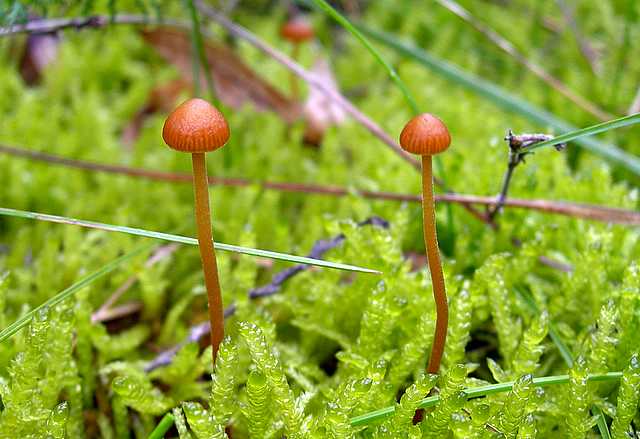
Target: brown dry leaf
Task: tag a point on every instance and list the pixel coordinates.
(40, 50)
(319, 111)
(234, 81)
(162, 98)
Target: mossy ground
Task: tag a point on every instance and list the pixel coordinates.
(328, 346)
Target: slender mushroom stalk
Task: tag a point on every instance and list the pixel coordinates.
(426, 135)
(197, 127)
(297, 30)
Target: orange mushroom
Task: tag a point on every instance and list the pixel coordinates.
(297, 30)
(197, 127)
(426, 135)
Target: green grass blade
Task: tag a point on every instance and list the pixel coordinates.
(589, 131)
(554, 334)
(183, 240)
(163, 426)
(344, 22)
(601, 422)
(502, 98)
(62, 295)
(477, 392)
(199, 55)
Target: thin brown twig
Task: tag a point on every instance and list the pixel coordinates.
(507, 47)
(93, 22)
(585, 211)
(516, 144)
(117, 312)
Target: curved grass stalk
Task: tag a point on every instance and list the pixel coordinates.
(183, 240)
(163, 426)
(478, 392)
(588, 131)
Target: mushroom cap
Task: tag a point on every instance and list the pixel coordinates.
(195, 126)
(297, 30)
(425, 134)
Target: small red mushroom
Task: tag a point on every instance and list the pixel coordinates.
(197, 127)
(297, 30)
(426, 135)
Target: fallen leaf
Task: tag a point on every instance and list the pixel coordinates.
(320, 112)
(234, 81)
(40, 50)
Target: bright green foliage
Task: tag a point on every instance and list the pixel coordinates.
(628, 397)
(57, 422)
(120, 417)
(629, 318)
(490, 280)
(459, 326)
(257, 405)
(401, 423)
(436, 424)
(527, 429)
(201, 422)
(527, 354)
(222, 401)
(267, 363)
(530, 350)
(577, 401)
(117, 346)
(43, 370)
(604, 339)
(185, 365)
(514, 410)
(329, 346)
(181, 423)
(138, 392)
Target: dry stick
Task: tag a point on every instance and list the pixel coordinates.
(533, 67)
(314, 81)
(585, 211)
(117, 312)
(94, 21)
(516, 145)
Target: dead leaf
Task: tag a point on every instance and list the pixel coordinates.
(319, 111)
(235, 82)
(40, 50)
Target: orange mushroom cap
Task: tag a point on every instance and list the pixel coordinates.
(195, 126)
(425, 134)
(297, 30)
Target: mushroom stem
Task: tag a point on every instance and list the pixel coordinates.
(435, 266)
(293, 79)
(207, 251)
